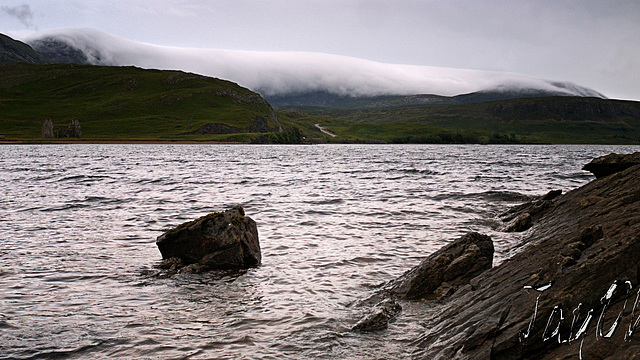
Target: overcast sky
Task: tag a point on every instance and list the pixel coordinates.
(591, 43)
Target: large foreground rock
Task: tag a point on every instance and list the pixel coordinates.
(223, 240)
(571, 293)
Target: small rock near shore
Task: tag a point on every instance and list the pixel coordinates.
(379, 318)
(521, 223)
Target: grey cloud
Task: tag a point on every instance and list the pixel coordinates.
(272, 73)
(21, 12)
(590, 42)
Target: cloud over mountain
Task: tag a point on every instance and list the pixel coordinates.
(278, 73)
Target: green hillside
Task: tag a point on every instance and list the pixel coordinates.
(127, 103)
(564, 120)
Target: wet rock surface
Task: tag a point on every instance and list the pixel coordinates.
(522, 217)
(218, 241)
(437, 276)
(581, 264)
(379, 317)
(453, 265)
(611, 164)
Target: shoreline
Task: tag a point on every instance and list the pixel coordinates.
(4, 141)
(580, 258)
(132, 142)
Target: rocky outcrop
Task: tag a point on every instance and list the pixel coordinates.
(217, 128)
(453, 265)
(223, 240)
(72, 131)
(436, 277)
(611, 164)
(522, 217)
(571, 293)
(260, 125)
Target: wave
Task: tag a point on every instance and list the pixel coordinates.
(491, 196)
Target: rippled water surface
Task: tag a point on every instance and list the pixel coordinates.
(78, 225)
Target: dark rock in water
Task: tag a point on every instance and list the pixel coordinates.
(437, 276)
(224, 240)
(522, 217)
(534, 208)
(453, 265)
(552, 195)
(521, 223)
(611, 164)
(378, 319)
(586, 249)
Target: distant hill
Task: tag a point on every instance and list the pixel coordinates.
(60, 52)
(128, 103)
(302, 78)
(12, 51)
(557, 119)
(329, 100)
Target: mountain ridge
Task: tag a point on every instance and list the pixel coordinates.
(326, 99)
(290, 73)
(12, 50)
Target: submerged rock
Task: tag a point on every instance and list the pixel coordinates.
(379, 317)
(521, 223)
(611, 164)
(223, 240)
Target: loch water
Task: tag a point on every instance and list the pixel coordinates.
(78, 225)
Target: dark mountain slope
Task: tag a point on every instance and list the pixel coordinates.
(15, 51)
(326, 99)
(566, 108)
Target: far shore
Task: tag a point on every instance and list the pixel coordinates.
(61, 142)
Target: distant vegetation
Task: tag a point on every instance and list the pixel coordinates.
(290, 136)
(40, 102)
(458, 138)
(128, 103)
(557, 119)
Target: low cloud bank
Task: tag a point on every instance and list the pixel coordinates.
(279, 73)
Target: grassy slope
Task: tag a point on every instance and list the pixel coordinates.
(122, 102)
(126, 103)
(542, 120)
